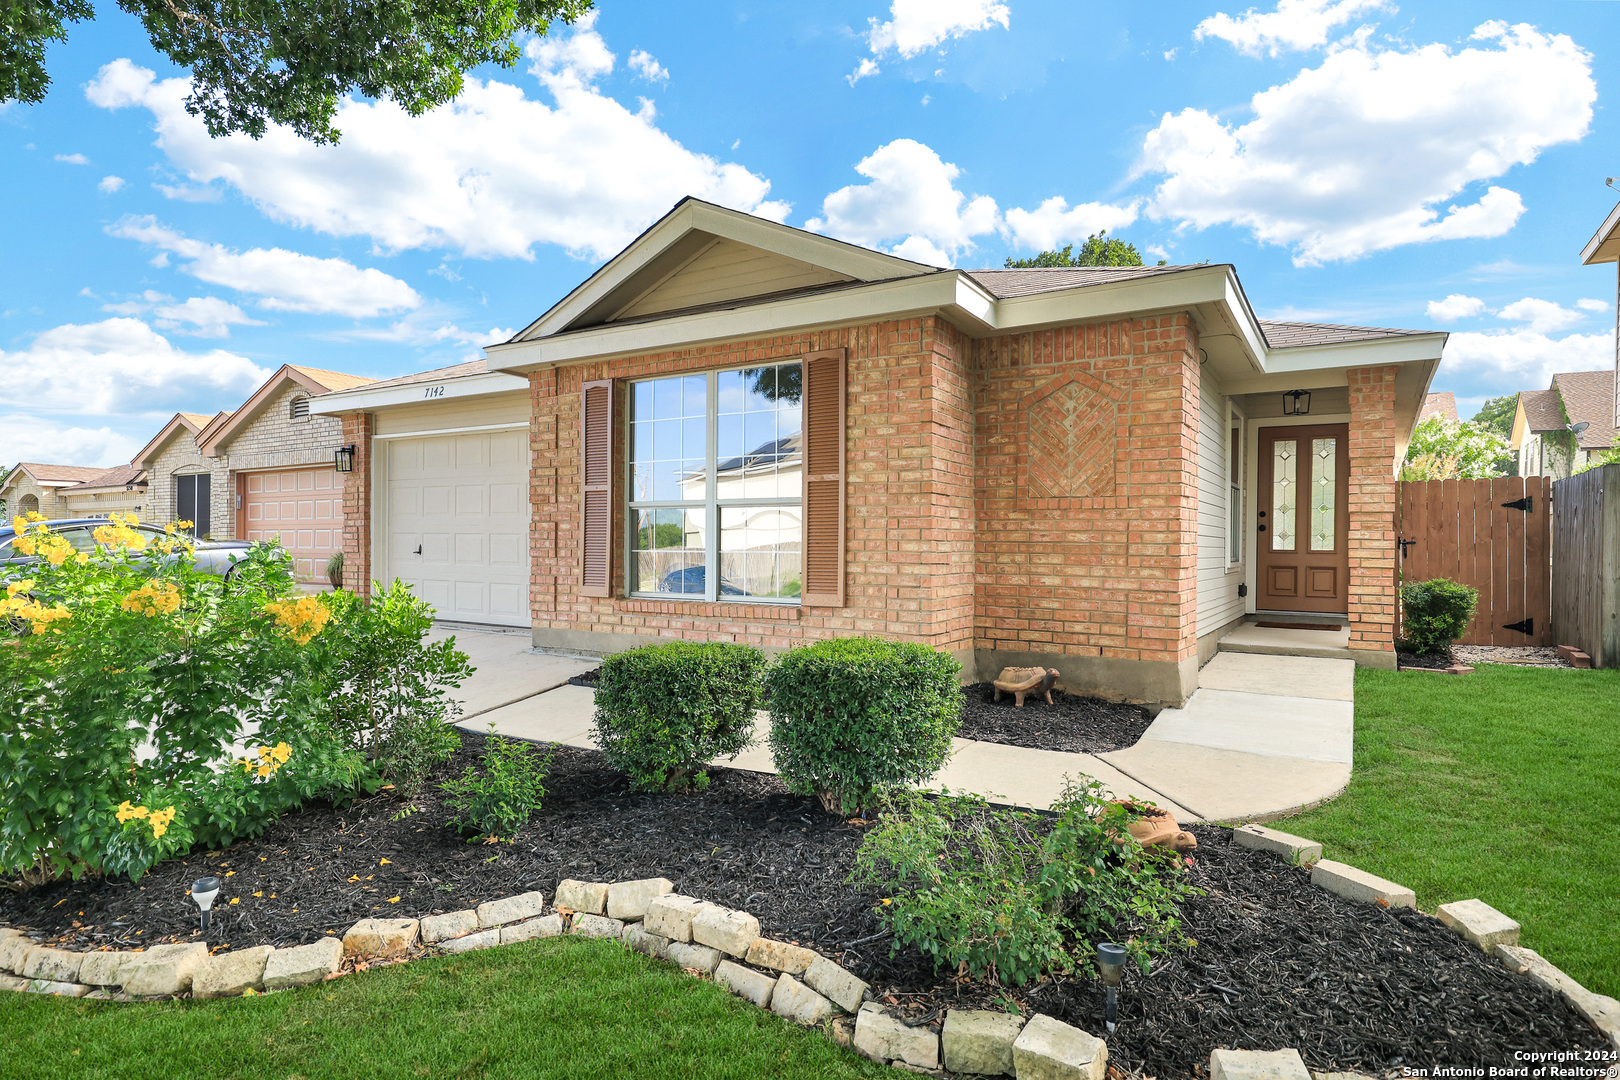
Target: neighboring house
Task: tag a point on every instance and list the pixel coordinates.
(263, 470)
(62, 491)
(1541, 436)
(1443, 406)
(738, 430)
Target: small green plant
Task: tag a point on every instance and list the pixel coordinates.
(1435, 613)
(852, 717)
(496, 799)
(334, 569)
(1008, 895)
(663, 712)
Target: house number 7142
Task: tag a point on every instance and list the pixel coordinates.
(433, 391)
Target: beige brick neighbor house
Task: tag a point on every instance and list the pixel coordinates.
(739, 430)
(73, 491)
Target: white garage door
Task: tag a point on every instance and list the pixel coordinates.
(458, 523)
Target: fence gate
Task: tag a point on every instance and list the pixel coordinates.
(1495, 535)
(1586, 574)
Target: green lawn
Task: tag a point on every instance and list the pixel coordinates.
(565, 1008)
(1502, 785)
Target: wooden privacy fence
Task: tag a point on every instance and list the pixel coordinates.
(1586, 567)
(1495, 535)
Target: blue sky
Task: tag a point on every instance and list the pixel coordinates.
(1412, 164)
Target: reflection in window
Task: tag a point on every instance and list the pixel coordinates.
(750, 479)
(1284, 493)
(1324, 491)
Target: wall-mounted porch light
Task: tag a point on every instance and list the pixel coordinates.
(1297, 403)
(343, 460)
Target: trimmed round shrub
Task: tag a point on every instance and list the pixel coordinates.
(1436, 613)
(852, 716)
(663, 712)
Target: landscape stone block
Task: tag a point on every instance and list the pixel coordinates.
(671, 915)
(14, 952)
(437, 928)
(881, 1037)
(637, 939)
(1049, 1049)
(104, 968)
(1294, 849)
(581, 897)
(1602, 1011)
(780, 956)
(746, 983)
(795, 1001)
(979, 1041)
(729, 931)
(484, 939)
(229, 973)
(696, 957)
(1257, 1065)
(380, 937)
(303, 965)
(53, 965)
(511, 909)
(833, 982)
(629, 900)
(1480, 923)
(11, 982)
(842, 1030)
(60, 989)
(1353, 884)
(595, 926)
(163, 970)
(545, 926)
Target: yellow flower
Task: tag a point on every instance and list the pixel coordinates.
(154, 598)
(265, 770)
(121, 532)
(393, 899)
(236, 900)
(19, 586)
(281, 753)
(40, 617)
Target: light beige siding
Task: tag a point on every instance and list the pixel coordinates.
(727, 270)
(1218, 580)
(451, 413)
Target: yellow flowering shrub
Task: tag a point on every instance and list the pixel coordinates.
(153, 598)
(34, 537)
(159, 820)
(120, 531)
(302, 618)
(268, 761)
(41, 618)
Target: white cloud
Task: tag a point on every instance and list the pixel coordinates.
(1592, 305)
(913, 201)
(425, 331)
(1504, 361)
(208, 316)
(120, 366)
(643, 64)
(189, 192)
(915, 26)
(73, 159)
(491, 174)
(28, 438)
(1293, 26)
(1454, 307)
(1054, 222)
(1369, 150)
(286, 280)
(110, 184)
(1541, 316)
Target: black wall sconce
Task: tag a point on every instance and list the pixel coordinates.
(1297, 403)
(343, 460)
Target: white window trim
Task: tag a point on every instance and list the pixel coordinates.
(1234, 479)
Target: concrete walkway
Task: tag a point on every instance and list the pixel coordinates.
(1263, 735)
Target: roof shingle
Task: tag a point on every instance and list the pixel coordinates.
(1294, 335)
(1589, 398)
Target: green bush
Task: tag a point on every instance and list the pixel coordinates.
(1435, 613)
(663, 712)
(1009, 895)
(851, 717)
(498, 802)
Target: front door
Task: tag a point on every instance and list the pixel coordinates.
(1303, 519)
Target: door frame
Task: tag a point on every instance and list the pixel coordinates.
(1251, 490)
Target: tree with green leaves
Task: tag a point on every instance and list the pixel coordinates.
(1497, 414)
(259, 62)
(1443, 449)
(1099, 250)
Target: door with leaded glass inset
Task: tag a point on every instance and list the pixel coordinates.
(1303, 519)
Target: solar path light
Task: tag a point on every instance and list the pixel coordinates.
(1111, 962)
(203, 891)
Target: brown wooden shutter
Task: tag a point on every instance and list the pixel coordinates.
(596, 488)
(823, 479)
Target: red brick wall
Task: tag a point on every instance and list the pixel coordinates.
(1086, 492)
(909, 520)
(1372, 508)
(357, 428)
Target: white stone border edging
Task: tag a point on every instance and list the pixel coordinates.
(648, 916)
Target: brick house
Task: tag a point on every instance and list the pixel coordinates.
(263, 470)
(739, 430)
(72, 491)
(1543, 436)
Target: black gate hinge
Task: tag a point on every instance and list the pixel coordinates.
(1528, 626)
(1527, 504)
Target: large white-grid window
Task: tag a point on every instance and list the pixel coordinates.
(716, 485)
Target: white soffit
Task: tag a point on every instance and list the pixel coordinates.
(466, 386)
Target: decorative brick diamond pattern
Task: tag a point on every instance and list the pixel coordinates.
(1071, 445)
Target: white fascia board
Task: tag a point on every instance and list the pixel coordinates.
(465, 386)
(1348, 354)
(1604, 245)
(1277, 382)
(868, 303)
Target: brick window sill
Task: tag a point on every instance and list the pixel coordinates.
(700, 609)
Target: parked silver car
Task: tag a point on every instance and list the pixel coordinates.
(213, 556)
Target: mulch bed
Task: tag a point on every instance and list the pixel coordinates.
(1434, 661)
(1278, 962)
(1073, 723)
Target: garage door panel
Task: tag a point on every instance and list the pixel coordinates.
(283, 505)
(438, 501)
(507, 449)
(438, 455)
(471, 549)
(506, 550)
(508, 601)
(506, 498)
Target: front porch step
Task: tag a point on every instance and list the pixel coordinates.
(1271, 641)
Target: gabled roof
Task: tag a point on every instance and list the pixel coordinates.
(1442, 405)
(119, 476)
(1589, 398)
(58, 475)
(1605, 243)
(190, 423)
(1543, 411)
(219, 434)
(1030, 280)
(1296, 335)
(454, 371)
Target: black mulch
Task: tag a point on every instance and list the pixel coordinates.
(1073, 723)
(589, 678)
(1436, 660)
(1278, 962)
